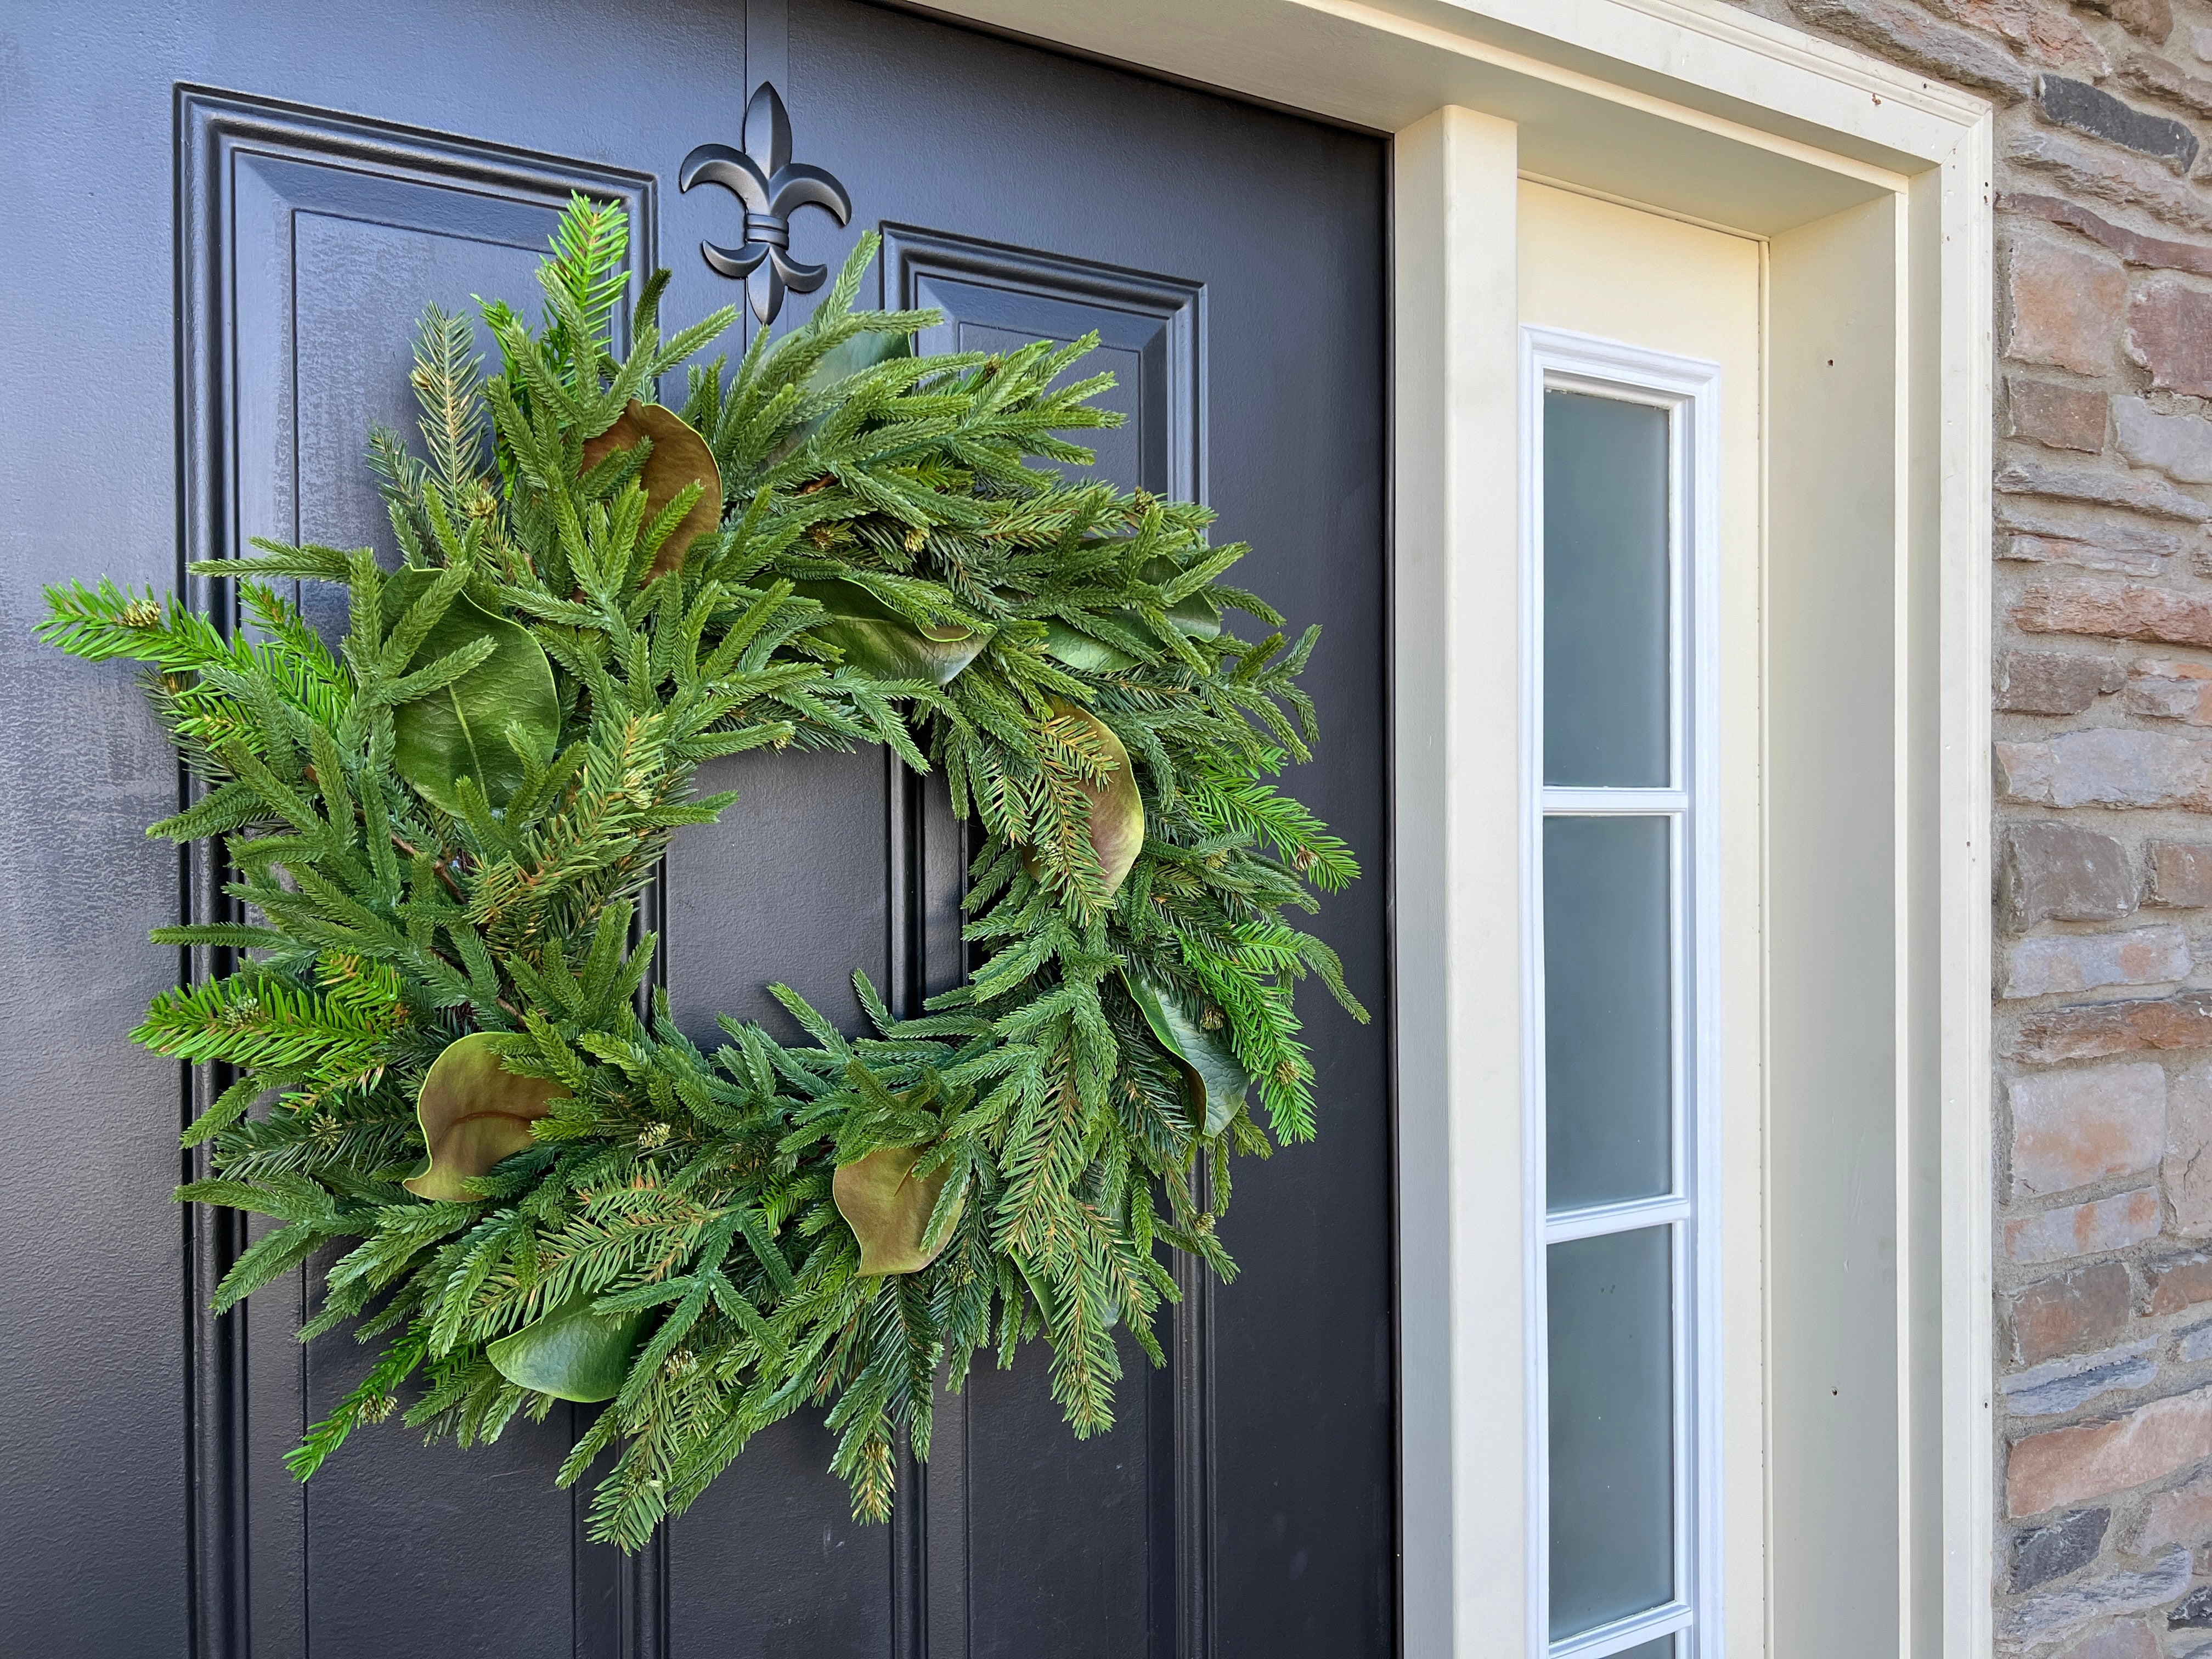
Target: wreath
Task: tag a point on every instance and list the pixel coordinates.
(430, 1006)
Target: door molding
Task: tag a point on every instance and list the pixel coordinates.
(1696, 109)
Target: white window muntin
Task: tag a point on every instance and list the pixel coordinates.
(1688, 389)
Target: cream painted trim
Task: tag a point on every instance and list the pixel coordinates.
(1697, 109)
(1459, 1198)
(1952, 212)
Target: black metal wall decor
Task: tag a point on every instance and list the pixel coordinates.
(773, 187)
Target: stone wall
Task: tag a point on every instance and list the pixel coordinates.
(2104, 782)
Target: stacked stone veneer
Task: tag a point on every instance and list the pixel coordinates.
(2104, 783)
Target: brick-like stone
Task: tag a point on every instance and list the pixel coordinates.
(2070, 1311)
(2062, 1467)
(2111, 175)
(2179, 446)
(2131, 1639)
(1908, 34)
(2194, 1345)
(2186, 1170)
(2061, 417)
(2151, 19)
(2064, 305)
(2104, 1224)
(2041, 1555)
(2176, 1283)
(2046, 1038)
(2171, 688)
(2070, 1128)
(2108, 767)
(2054, 683)
(2116, 534)
(2183, 1516)
(2115, 611)
(2067, 962)
(2155, 253)
(2180, 874)
(2049, 871)
(2044, 549)
(2045, 33)
(2101, 487)
(2194, 1613)
(2030, 1626)
(2170, 334)
(2085, 108)
(2060, 1386)
(2147, 71)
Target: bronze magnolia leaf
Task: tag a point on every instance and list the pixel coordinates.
(875, 637)
(474, 1112)
(680, 457)
(460, 731)
(572, 1353)
(1216, 1080)
(888, 1208)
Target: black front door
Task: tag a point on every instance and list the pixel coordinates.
(320, 172)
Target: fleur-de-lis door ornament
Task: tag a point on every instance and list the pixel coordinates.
(773, 187)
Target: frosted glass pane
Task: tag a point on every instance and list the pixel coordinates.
(1608, 1011)
(1612, 1440)
(1605, 592)
(1663, 1648)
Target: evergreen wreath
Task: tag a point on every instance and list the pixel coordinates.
(433, 1010)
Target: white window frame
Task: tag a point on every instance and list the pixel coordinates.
(1689, 389)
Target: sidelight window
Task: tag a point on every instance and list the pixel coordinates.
(1619, 901)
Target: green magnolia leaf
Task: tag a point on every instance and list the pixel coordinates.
(1048, 1300)
(1217, 1081)
(460, 731)
(474, 1112)
(858, 352)
(875, 637)
(572, 1353)
(888, 1209)
(1117, 809)
(1193, 616)
(1079, 650)
(680, 457)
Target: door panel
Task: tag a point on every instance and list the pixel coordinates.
(1230, 259)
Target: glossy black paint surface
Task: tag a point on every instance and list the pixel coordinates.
(211, 293)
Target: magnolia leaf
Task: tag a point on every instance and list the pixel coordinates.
(474, 1112)
(1193, 616)
(1079, 650)
(851, 357)
(1217, 1081)
(1117, 809)
(572, 1353)
(680, 457)
(1048, 1300)
(888, 1208)
(875, 637)
(460, 731)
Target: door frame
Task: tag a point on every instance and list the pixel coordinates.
(1871, 187)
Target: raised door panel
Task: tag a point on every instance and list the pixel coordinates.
(311, 243)
(1038, 1542)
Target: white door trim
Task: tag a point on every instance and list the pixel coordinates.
(1695, 108)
